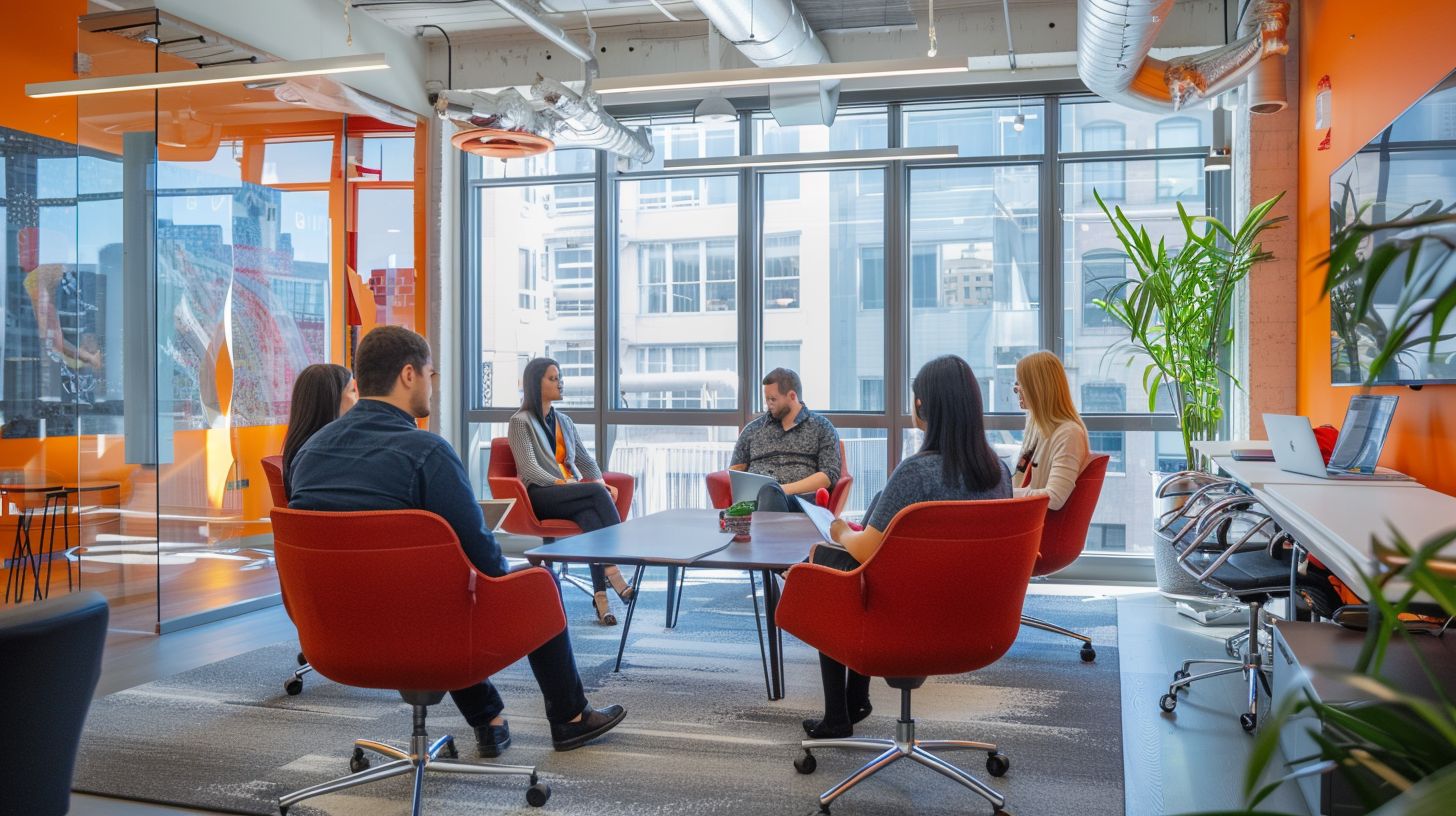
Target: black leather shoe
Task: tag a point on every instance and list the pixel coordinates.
(490, 740)
(816, 729)
(594, 723)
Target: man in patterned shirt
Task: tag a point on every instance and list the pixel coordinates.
(789, 442)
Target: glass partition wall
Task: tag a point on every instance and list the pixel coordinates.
(168, 277)
(665, 295)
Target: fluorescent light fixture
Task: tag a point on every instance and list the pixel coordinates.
(738, 77)
(827, 157)
(252, 72)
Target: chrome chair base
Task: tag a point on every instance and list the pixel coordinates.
(1251, 664)
(1089, 654)
(439, 756)
(906, 746)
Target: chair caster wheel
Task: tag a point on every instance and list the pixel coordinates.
(283, 810)
(997, 764)
(1001, 812)
(1248, 722)
(1180, 675)
(293, 686)
(358, 762)
(302, 661)
(1089, 654)
(1168, 702)
(448, 751)
(806, 764)
(537, 794)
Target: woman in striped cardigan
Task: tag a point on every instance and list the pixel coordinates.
(562, 479)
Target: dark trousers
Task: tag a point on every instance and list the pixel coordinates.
(773, 499)
(844, 688)
(586, 504)
(555, 670)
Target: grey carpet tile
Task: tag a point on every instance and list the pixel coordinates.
(700, 736)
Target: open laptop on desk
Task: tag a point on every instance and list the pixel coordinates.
(495, 511)
(1362, 436)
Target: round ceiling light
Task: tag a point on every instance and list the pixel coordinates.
(501, 144)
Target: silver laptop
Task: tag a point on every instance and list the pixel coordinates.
(1296, 451)
(495, 512)
(746, 485)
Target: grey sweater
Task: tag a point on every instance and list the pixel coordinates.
(535, 451)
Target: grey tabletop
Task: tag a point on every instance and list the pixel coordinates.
(683, 537)
(673, 537)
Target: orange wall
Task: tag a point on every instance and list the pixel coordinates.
(1380, 58)
(41, 52)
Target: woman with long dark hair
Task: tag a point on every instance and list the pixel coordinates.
(322, 393)
(562, 479)
(954, 463)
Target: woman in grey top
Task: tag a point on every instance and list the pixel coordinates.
(955, 463)
(562, 479)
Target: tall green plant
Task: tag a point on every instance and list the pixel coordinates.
(1178, 308)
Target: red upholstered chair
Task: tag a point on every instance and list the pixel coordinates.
(522, 520)
(1064, 537)
(273, 470)
(720, 490)
(942, 595)
(449, 626)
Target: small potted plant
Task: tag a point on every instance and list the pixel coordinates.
(738, 519)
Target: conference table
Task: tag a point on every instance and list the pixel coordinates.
(691, 538)
(1337, 521)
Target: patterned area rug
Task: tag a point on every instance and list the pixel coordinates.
(700, 735)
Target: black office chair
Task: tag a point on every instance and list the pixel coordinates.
(51, 654)
(1250, 568)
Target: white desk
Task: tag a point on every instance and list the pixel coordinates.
(1336, 522)
(1258, 474)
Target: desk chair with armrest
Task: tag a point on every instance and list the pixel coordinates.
(942, 595)
(505, 483)
(448, 626)
(1063, 538)
(273, 470)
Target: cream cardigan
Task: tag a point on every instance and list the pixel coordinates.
(1053, 464)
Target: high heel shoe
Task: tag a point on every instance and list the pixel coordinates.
(624, 590)
(604, 610)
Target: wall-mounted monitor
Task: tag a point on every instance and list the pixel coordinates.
(1408, 168)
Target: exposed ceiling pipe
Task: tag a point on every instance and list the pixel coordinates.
(570, 119)
(1267, 93)
(523, 12)
(1114, 38)
(773, 33)
(582, 125)
(1010, 46)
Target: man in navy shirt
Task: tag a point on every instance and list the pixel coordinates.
(376, 458)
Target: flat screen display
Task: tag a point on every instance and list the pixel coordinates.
(1408, 168)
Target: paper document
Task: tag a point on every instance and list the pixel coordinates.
(822, 518)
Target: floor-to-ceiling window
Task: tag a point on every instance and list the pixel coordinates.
(666, 294)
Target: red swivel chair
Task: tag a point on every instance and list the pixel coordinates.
(1063, 539)
(720, 489)
(521, 520)
(273, 470)
(476, 626)
(941, 596)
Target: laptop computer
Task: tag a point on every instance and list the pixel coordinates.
(1367, 420)
(746, 485)
(495, 512)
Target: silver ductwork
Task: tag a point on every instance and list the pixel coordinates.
(584, 125)
(565, 117)
(1114, 38)
(773, 33)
